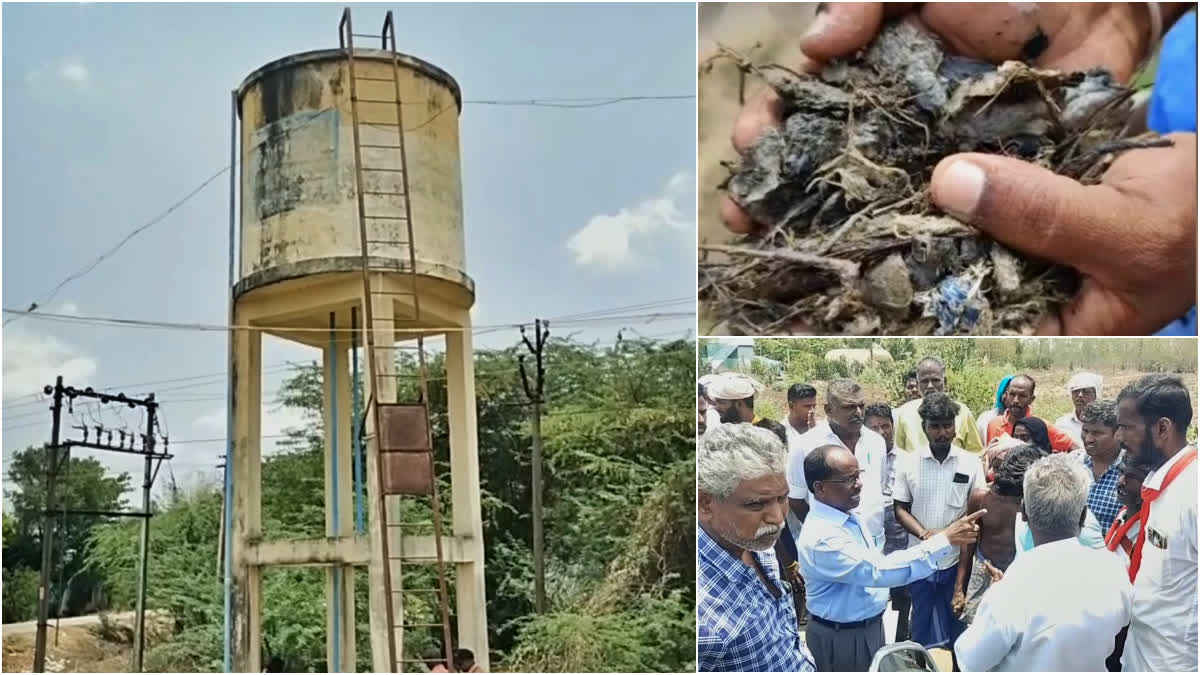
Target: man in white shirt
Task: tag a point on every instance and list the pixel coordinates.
(1083, 388)
(843, 426)
(802, 408)
(1060, 606)
(930, 492)
(1153, 415)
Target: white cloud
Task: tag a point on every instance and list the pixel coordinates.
(31, 361)
(275, 421)
(606, 239)
(71, 72)
(74, 73)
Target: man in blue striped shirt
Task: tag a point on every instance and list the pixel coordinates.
(746, 620)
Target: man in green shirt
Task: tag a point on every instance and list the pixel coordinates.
(931, 377)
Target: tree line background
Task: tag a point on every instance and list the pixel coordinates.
(974, 366)
(619, 495)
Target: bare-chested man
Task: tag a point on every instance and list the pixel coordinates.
(982, 563)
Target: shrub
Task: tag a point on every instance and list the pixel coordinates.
(20, 594)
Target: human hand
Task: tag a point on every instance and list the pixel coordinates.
(994, 573)
(1064, 36)
(965, 530)
(1132, 237)
(958, 602)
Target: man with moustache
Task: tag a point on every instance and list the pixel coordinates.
(844, 412)
(1123, 534)
(910, 436)
(744, 613)
(1083, 388)
(1153, 415)
(1102, 457)
(1018, 396)
(931, 491)
(845, 570)
(733, 397)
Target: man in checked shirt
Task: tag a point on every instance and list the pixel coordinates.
(746, 620)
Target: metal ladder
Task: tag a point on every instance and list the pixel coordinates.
(401, 432)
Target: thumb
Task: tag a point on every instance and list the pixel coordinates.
(842, 28)
(1035, 210)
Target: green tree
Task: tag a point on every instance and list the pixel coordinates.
(84, 484)
(620, 449)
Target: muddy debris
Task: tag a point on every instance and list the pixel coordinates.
(851, 242)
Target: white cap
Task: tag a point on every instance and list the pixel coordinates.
(731, 387)
(1085, 381)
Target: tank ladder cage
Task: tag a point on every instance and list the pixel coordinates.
(379, 380)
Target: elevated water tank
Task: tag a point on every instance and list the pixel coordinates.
(299, 209)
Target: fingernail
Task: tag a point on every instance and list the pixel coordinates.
(819, 25)
(960, 188)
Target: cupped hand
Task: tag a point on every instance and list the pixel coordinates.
(958, 602)
(1065, 36)
(1132, 237)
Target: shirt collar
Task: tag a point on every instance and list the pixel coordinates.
(926, 451)
(1155, 480)
(824, 511)
(715, 557)
(1087, 459)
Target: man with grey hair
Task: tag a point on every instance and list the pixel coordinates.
(1060, 606)
(746, 620)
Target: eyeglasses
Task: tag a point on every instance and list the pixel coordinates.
(856, 477)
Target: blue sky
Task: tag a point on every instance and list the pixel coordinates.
(114, 112)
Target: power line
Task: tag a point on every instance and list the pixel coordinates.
(214, 327)
(544, 103)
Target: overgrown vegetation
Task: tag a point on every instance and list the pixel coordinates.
(619, 508)
(974, 367)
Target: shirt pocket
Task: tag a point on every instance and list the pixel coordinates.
(958, 495)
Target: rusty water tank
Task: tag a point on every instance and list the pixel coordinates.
(299, 212)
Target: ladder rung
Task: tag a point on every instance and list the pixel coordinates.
(385, 217)
(393, 242)
(412, 558)
(418, 590)
(441, 660)
(418, 625)
(376, 100)
(380, 168)
(381, 192)
(378, 145)
(375, 79)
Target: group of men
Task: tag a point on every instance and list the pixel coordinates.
(807, 529)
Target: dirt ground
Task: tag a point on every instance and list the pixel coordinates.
(78, 646)
(777, 28)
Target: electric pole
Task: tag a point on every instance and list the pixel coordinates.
(536, 394)
(139, 629)
(51, 459)
(127, 444)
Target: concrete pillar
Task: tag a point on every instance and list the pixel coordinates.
(339, 502)
(464, 486)
(384, 336)
(247, 498)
